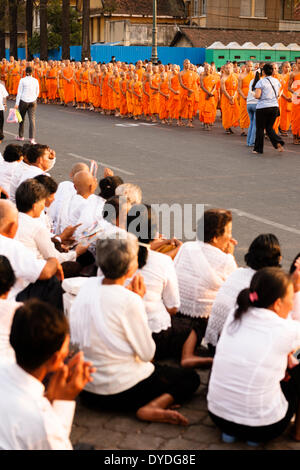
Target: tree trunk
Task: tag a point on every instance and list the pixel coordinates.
(2, 28)
(43, 30)
(29, 25)
(86, 50)
(13, 28)
(65, 29)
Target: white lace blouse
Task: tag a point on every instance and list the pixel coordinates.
(201, 270)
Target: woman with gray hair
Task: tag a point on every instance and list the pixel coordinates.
(109, 323)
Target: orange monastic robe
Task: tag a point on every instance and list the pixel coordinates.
(208, 105)
(285, 106)
(16, 77)
(96, 95)
(164, 102)
(244, 116)
(296, 106)
(187, 102)
(175, 102)
(78, 85)
(146, 99)
(154, 95)
(230, 112)
(123, 100)
(276, 123)
(52, 83)
(69, 92)
(105, 88)
(136, 102)
(84, 86)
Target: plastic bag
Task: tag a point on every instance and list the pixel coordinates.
(19, 117)
(12, 116)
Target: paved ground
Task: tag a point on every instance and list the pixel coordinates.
(185, 166)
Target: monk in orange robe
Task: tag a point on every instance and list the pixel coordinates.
(123, 100)
(90, 87)
(243, 87)
(15, 74)
(137, 90)
(77, 84)
(294, 88)
(285, 101)
(68, 77)
(139, 70)
(163, 90)
(51, 79)
(279, 77)
(84, 78)
(208, 104)
(229, 100)
(174, 89)
(96, 83)
(129, 82)
(186, 79)
(146, 92)
(154, 94)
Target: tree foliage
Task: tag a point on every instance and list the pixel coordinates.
(54, 14)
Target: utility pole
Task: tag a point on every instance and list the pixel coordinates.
(154, 57)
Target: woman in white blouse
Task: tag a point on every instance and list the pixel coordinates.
(32, 232)
(203, 266)
(109, 323)
(264, 251)
(162, 302)
(250, 396)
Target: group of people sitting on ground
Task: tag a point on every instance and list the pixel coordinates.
(166, 93)
(93, 300)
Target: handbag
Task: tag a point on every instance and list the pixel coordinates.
(12, 116)
(19, 117)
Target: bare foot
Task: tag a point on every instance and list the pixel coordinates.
(280, 148)
(159, 415)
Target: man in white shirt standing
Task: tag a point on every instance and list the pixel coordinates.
(3, 95)
(30, 418)
(28, 92)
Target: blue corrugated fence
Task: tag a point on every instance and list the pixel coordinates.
(103, 53)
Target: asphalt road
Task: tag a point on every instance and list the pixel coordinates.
(183, 166)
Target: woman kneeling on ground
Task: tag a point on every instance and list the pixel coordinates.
(254, 387)
(109, 323)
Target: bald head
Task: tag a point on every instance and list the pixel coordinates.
(8, 218)
(78, 167)
(85, 183)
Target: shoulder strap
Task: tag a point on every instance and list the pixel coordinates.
(272, 87)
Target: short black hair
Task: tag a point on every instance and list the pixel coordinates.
(264, 251)
(111, 209)
(12, 153)
(28, 193)
(108, 186)
(38, 331)
(268, 69)
(214, 222)
(49, 184)
(29, 70)
(7, 275)
(35, 151)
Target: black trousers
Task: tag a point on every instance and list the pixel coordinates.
(48, 291)
(265, 119)
(178, 382)
(29, 108)
(291, 391)
(1, 125)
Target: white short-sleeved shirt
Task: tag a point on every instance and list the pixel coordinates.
(197, 288)
(26, 266)
(23, 172)
(33, 234)
(7, 170)
(125, 319)
(161, 290)
(7, 311)
(250, 361)
(28, 420)
(269, 97)
(3, 94)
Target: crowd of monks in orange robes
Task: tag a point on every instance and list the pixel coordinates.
(159, 92)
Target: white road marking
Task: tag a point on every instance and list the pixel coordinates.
(10, 133)
(101, 163)
(127, 125)
(265, 221)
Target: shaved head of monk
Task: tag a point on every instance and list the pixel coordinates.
(78, 167)
(85, 183)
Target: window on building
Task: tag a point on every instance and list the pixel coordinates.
(291, 10)
(203, 7)
(253, 8)
(196, 8)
